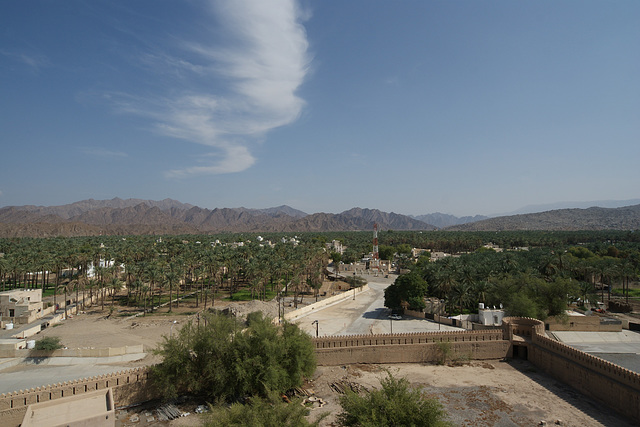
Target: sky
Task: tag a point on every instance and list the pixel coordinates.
(463, 107)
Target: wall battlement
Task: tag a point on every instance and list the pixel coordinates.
(617, 387)
(407, 338)
(128, 386)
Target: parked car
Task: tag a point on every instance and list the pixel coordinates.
(395, 317)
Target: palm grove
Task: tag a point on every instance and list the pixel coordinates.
(538, 280)
(254, 361)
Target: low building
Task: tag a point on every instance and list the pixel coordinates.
(95, 409)
(490, 317)
(21, 306)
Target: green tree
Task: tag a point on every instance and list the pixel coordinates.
(395, 404)
(410, 287)
(221, 359)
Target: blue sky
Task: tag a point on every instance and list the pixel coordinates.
(463, 107)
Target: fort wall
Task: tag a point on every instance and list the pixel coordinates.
(615, 386)
(128, 387)
(411, 347)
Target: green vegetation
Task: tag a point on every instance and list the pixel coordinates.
(355, 281)
(395, 404)
(270, 411)
(145, 271)
(224, 360)
(245, 295)
(535, 282)
(48, 344)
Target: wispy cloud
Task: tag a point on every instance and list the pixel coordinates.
(101, 152)
(32, 60)
(262, 66)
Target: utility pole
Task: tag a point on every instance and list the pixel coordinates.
(315, 322)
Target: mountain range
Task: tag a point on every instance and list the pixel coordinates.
(136, 216)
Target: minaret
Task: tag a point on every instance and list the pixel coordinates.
(376, 255)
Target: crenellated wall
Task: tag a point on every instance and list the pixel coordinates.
(617, 387)
(129, 387)
(411, 347)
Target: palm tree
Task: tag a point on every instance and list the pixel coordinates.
(171, 276)
(114, 286)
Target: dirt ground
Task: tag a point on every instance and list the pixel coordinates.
(492, 393)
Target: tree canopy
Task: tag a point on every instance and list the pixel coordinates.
(222, 358)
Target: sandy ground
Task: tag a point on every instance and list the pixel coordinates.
(489, 393)
(493, 393)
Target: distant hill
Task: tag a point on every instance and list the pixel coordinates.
(358, 219)
(595, 218)
(441, 220)
(135, 216)
(572, 205)
(78, 208)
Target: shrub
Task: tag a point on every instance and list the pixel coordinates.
(270, 411)
(395, 404)
(48, 344)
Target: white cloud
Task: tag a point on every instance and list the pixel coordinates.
(262, 65)
(32, 60)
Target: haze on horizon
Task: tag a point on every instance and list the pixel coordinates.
(414, 107)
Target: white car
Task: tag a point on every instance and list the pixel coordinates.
(395, 317)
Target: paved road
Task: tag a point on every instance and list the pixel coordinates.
(364, 314)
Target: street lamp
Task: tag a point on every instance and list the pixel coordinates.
(315, 322)
(391, 321)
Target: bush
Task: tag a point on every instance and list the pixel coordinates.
(271, 411)
(48, 344)
(396, 404)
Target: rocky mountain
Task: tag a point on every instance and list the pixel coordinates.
(284, 209)
(441, 220)
(135, 216)
(78, 208)
(123, 217)
(572, 205)
(595, 218)
(358, 219)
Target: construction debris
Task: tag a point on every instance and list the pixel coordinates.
(343, 385)
(168, 412)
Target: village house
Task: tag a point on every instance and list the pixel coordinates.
(21, 306)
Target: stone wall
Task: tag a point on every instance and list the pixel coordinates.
(615, 386)
(75, 352)
(592, 323)
(411, 347)
(128, 387)
(293, 315)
